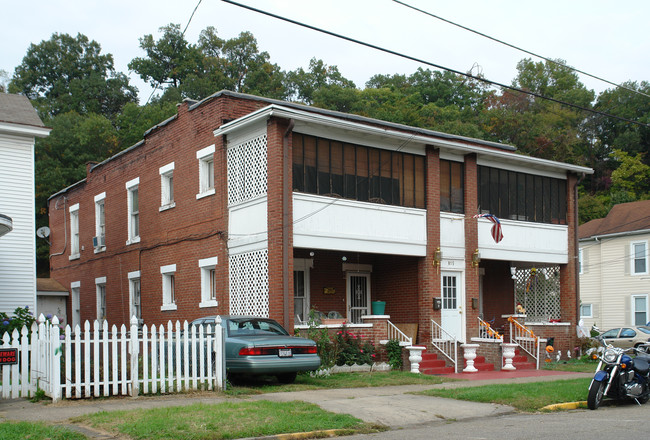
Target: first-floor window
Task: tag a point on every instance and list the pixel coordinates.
(134, 294)
(586, 311)
(301, 289)
(640, 309)
(168, 287)
(75, 287)
(208, 268)
(100, 284)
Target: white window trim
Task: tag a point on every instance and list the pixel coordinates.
(100, 281)
(100, 198)
(304, 265)
(75, 303)
(74, 225)
(130, 185)
(170, 269)
(206, 265)
(165, 172)
(633, 257)
(202, 155)
(580, 261)
(135, 275)
(591, 311)
(633, 308)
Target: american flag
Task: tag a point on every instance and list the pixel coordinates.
(497, 235)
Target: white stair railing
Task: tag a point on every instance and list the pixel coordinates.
(525, 339)
(396, 333)
(445, 343)
(485, 331)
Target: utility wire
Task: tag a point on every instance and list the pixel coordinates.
(428, 63)
(519, 48)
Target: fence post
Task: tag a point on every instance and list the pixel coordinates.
(55, 344)
(220, 354)
(135, 350)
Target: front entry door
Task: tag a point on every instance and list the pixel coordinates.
(358, 296)
(452, 308)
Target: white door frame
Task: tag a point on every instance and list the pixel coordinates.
(348, 276)
(304, 265)
(459, 329)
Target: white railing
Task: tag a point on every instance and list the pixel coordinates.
(485, 331)
(525, 339)
(396, 333)
(100, 362)
(445, 343)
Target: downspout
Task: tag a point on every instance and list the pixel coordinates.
(286, 193)
(576, 245)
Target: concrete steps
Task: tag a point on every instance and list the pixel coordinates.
(433, 365)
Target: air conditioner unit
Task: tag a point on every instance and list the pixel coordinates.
(98, 242)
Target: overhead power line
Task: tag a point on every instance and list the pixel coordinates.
(519, 48)
(428, 63)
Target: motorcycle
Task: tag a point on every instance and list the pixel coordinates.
(620, 376)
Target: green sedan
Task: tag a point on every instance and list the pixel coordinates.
(261, 346)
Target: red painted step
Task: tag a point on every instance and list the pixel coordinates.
(432, 365)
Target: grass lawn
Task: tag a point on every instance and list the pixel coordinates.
(36, 431)
(575, 365)
(529, 397)
(228, 420)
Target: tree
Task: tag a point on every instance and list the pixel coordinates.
(68, 73)
(632, 175)
(303, 84)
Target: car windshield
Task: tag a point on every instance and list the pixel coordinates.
(644, 329)
(254, 327)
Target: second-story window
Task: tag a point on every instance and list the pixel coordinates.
(133, 205)
(167, 186)
(74, 232)
(206, 171)
(99, 241)
(639, 258)
(452, 196)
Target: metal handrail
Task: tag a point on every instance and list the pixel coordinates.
(485, 331)
(396, 333)
(445, 343)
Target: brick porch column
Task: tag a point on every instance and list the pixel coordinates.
(471, 244)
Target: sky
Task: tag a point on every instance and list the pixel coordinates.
(595, 36)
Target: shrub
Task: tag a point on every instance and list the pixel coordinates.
(22, 317)
(353, 349)
(394, 353)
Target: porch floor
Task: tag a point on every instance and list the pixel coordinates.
(501, 374)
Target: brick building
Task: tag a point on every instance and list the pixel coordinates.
(245, 205)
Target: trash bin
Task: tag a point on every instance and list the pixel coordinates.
(378, 307)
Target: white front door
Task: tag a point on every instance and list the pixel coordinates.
(358, 296)
(452, 305)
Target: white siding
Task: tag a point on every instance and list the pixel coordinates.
(18, 247)
(606, 281)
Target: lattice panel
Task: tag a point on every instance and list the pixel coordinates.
(538, 291)
(247, 170)
(249, 283)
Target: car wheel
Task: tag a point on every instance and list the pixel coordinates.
(286, 377)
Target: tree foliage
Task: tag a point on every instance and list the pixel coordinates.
(67, 73)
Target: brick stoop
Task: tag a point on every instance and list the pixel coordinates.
(432, 365)
(521, 361)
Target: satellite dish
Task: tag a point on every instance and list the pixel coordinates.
(43, 232)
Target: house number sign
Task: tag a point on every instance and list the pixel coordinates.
(8, 356)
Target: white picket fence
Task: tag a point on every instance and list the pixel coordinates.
(98, 362)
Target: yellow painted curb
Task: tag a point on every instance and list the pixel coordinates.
(566, 405)
(312, 434)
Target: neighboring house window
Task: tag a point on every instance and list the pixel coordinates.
(168, 287)
(134, 295)
(356, 172)
(451, 187)
(208, 282)
(167, 187)
(75, 287)
(99, 241)
(100, 284)
(74, 231)
(520, 196)
(206, 171)
(639, 257)
(586, 311)
(640, 309)
(133, 210)
(580, 271)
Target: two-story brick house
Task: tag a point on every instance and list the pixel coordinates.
(245, 205)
